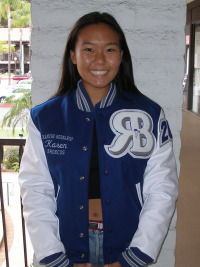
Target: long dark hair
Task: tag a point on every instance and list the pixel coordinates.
(124, 79)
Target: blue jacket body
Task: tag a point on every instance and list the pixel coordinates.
(130, 131)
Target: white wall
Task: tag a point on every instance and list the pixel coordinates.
(155, 33)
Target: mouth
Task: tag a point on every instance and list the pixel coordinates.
(98, 72)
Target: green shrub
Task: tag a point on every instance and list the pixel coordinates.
(15, 166)
(11, 159)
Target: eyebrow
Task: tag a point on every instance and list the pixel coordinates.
(91, 43)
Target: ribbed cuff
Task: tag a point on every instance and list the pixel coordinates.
(134, 257)
(57, 260)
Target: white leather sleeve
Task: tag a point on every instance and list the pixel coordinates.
(38, 197)
(160, 192)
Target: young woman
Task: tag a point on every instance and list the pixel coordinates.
(98, 176)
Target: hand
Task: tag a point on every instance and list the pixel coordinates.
(114, 264)
(82, 265)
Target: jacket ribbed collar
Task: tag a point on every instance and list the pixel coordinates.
(84, 103)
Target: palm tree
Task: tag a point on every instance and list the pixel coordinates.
(21, 18)
(4, 47)
(19, 113)
(5, 11)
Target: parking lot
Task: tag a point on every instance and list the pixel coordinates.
(19, 84)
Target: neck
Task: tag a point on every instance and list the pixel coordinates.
(97, 95)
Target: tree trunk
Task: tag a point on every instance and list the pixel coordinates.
(21, 51)
(9, 52)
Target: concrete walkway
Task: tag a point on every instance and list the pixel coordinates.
(13, 209)
(188, 224)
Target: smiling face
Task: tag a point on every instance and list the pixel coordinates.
(98, 56)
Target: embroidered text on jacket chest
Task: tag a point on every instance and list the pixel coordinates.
(56, 144)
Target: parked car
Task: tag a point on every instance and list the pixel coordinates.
(19, 77)
(16, 94)
(15, 91)
(4, 70)
(24, 84)
(4, 92)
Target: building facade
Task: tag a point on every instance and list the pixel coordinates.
(191, 82)
(21, 57)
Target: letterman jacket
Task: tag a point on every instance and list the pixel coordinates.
(138, 177)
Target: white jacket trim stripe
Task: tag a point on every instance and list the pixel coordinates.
(65, 263)
(105, 102)
(80, 106)
(138, 188)
(109, 97)
(112, 96)
(53, 263)
(84, 100)
(127, 259)
(132, 255)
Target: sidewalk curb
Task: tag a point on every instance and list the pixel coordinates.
(6, 105)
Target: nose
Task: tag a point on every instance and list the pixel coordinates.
(100, 58)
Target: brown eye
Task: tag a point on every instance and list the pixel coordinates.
(110, 50)
(89, 49)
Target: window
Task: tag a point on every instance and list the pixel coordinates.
(196, 75)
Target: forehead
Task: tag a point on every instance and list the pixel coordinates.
(98, 33)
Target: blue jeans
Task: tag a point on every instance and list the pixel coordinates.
(96, 248)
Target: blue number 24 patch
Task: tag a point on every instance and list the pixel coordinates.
(165, 132)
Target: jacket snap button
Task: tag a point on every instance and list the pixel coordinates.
(81, 234)
(106, 173)
(85, 148)
(82, 178)
(82, 255)
(108, 202)
(109, 230)
(87, 119)
(81, 207)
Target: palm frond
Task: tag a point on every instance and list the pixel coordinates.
(19, 113)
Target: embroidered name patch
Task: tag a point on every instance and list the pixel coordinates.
(133, 134)
(56, 144)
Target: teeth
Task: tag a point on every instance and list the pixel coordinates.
(99, 72)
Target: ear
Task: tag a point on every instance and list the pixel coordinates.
(73, 56)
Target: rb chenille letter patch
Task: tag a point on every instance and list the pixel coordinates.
(133, 134)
